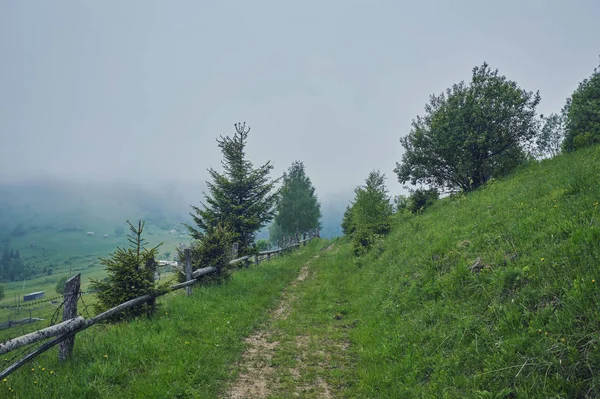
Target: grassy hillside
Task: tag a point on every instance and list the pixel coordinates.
(526, 325)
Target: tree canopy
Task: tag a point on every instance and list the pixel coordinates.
(240, 199)
(470, 133)
(298, 209)
(582, 112)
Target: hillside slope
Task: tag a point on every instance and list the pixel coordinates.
(526, 325)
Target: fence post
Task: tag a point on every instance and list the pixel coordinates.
(69, 311)
(188, 269)
(268, 256)
(234, 250)
(151, 266)
(256, 259)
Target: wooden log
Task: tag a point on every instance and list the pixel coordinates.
(71, 296)
(188, 269)
(45, 333)
(203, 271)
(243, 258)
(41, 349)
(182, 285)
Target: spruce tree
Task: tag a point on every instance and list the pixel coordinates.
(298, 209)
(241, 198)
(130, 275)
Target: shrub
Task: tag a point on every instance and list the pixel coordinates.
(420, 199)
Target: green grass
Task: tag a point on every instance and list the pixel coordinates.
(187, 350)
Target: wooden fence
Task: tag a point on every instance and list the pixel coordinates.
(72, 324)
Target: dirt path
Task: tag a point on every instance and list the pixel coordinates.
(259, 376)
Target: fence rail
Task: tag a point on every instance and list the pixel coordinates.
(72, 324)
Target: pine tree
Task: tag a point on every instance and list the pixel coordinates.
(298, 209)
(130, 275)
(241, 198)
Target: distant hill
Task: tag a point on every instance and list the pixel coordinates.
(51, 222)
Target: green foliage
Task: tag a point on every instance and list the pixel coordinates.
(582, 112)
(275, 233)
(242, 197)
(12, 267)
(370, 215)
(549, 141)
(213, 249)
(420, 199)
(348, 226)
(60, 285)
(263, 245)
(130, 275)
(470, 133)
(2, 292)
(298, 209)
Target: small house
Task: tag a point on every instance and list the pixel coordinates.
(91, 233)
(33, 296)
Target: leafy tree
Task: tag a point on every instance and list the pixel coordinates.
(549, 140)
(242, 197)
(582, 112)
(130, 275)
(60, 285)
(275, 233)
(470, 133)
(298, 209)
(369, 217)
(372, 209)
(2, 292)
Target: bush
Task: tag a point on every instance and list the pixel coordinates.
(263, 245)
(420, 199)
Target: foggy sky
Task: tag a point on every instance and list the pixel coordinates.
(139, 90)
